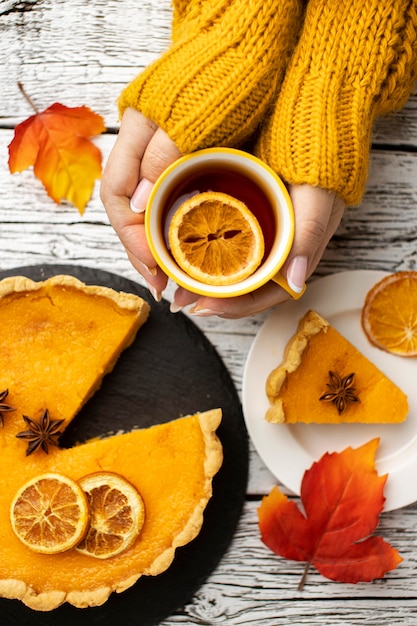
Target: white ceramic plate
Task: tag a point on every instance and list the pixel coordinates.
(289, 450)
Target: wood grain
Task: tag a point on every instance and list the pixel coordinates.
(84, 52)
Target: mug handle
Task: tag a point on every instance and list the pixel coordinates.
(281, 281)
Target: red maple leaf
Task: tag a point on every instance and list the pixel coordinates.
(57, 143)
(342, 496)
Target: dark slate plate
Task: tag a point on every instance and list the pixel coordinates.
(170, 370)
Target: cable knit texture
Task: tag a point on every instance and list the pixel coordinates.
(355, 60)
(226, 62)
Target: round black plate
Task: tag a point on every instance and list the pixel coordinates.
(170, 370)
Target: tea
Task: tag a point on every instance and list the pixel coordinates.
(228, 181)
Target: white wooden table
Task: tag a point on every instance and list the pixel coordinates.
(83, 52)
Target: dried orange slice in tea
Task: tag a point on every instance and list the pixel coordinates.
(216, 239)
(389, 315)
(50, 514)
(117, 514)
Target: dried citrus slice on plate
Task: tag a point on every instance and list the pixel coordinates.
(49, 513)
(389, 314)
(216, 239)
(117, 514)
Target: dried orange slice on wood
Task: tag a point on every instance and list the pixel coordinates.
(216, 239)
(50, 514)
(389, 315)
(117, 514)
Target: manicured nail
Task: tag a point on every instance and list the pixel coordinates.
(296, 273)
(157, 295)
(200, 312)
(152, 271)
(140, 196)
(175, 308)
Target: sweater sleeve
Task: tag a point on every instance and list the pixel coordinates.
(354, 60)
(215, 83)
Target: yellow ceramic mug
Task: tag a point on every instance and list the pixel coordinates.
(243, 176)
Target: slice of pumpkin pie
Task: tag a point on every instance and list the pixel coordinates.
(323, 378)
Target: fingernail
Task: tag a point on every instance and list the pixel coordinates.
(200, 312)
(140, 196)
(296, 273)
(175, 308)
(152, 271)
(157, 295)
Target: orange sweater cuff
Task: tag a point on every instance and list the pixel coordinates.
(215, 83)
(354, 60)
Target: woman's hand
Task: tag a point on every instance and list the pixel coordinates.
(141, 153)
(317, 216)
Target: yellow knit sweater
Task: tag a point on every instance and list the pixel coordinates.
(344, 63)
(215, 83)
(355, 60)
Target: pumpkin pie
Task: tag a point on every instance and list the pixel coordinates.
(324, 379)
(59, 338)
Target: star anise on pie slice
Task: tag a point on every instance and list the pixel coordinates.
(341, 391)
(41, 434)
(4, 408)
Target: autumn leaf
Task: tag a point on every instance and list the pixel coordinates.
(342, 496)
(57, 143)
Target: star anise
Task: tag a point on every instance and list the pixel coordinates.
(41, 434)
(4, 408)
(341, 391)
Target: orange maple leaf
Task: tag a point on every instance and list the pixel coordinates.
(342, 496)
(57, 143)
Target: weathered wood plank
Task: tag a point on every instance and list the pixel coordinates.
(398, 128)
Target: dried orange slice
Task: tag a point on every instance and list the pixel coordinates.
(50, 514)
(389, 315)
(117, 514)
(216, 239)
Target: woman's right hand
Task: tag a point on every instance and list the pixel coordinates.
(141, 153)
